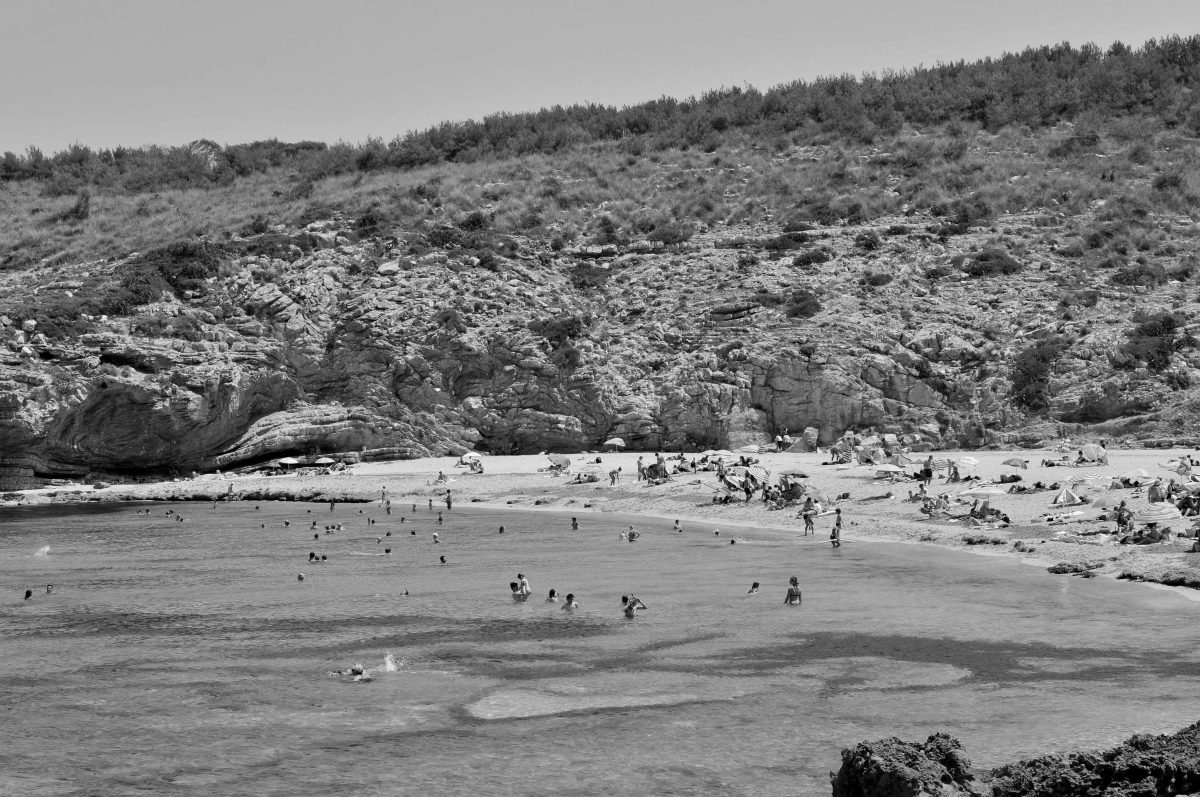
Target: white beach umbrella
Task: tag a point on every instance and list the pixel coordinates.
(288, 461)
(323, 461)
(888, 469)
(616, 442)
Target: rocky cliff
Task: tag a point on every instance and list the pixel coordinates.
(333, 341)
(1142, 765)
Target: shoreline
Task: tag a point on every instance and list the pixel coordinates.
(875, 511)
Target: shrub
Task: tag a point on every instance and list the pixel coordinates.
(1150, 275)
(1031, 372)
(587, 277)
(803, 304)
(896, 229)
(990, 263)
(812, 257)
(786, 241)
(876, 278)
(474, 221)
(868, 241)
(672, 233)
(558, 330)
(1154, 338)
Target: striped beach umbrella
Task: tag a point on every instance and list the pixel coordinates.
(1156, 513)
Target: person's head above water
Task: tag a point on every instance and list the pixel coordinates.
(553, 593)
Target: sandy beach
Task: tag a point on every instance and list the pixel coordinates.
(875, 510)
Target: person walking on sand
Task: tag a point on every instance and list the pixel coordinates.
(641, 466)
(614, 477)
(835, 536)
(793, 597)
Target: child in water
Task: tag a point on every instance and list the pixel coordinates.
(570, 605)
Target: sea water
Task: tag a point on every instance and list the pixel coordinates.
(187, 658)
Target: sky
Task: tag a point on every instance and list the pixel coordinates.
(133, 72)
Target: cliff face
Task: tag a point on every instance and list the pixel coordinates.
(348, 345)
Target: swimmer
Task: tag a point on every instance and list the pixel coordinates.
(435, 538)
(574, 524)
(678, 528)
(388, 534)
(524, 584)
(516, 592)
(403, 519)
(443, 559)
(316, 536)
(717, 532)
(360, 511)
(570, 605)
(331, 503)
(49, 588)
(314, 525)
(552, 597)
(378, 540)
(287, 523)
(312, 555)
(28, 594)
(793, 596)
(300, 577)
(324, 558)
(630, 605)
(501, 529)
(387, 551)
(753, 589)
(439, 518)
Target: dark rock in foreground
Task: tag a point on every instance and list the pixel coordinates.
(1144, 765)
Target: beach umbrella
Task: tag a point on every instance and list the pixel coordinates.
(799, 474)
(561, 460)
(1094, 453)
(615, 442)
(288, 461)
(323, 461)
(1156, 513)
(941, 464)
(984, 491)
(888, 469)
(1016, 462)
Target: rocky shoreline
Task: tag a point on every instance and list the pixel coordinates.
(1143, 765)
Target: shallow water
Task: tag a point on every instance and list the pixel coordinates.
(187, 658)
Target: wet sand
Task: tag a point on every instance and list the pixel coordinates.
(876, 509)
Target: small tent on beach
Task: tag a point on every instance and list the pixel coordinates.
(1067, 497)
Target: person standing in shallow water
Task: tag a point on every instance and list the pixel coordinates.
(835, 536)
(793, 597)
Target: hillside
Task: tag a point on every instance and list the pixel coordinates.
(957, 283)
